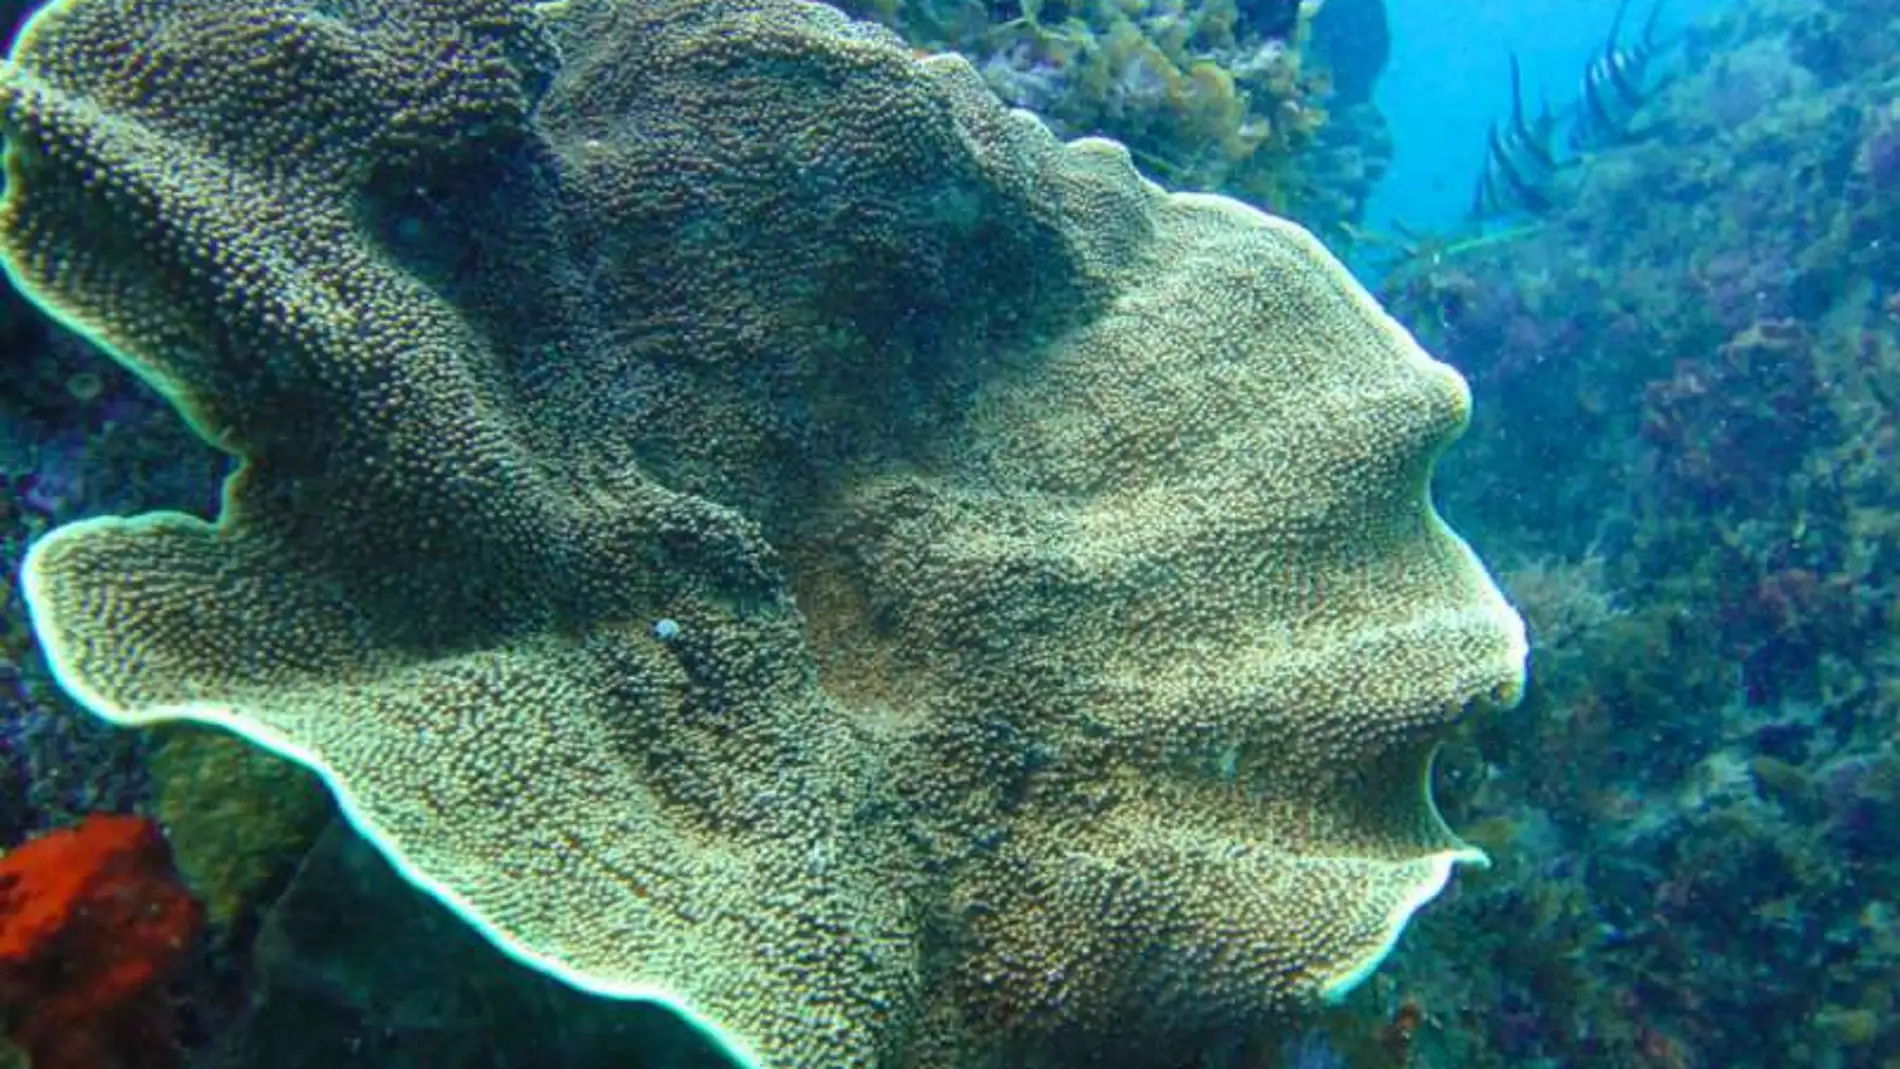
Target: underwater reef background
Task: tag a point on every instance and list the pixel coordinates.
(1269, 101)
(1683, 465)
(1682, 468)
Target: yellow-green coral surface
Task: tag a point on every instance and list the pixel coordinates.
(752, 524)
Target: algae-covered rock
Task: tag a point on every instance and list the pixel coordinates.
(239, 818)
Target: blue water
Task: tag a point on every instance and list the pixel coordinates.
(1447, 81)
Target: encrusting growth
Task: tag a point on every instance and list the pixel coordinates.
(1059, 626)
(92, 922)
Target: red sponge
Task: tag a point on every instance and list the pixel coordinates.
(92, 920)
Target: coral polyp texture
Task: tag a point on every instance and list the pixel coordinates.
(1056, 627)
